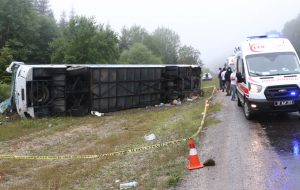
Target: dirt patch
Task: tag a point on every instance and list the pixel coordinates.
(37, 141)
(2, 176)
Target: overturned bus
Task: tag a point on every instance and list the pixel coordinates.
(55, 90)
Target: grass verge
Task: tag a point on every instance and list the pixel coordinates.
(4, 91)
(153, 169)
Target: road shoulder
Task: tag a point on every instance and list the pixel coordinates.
(244, 159)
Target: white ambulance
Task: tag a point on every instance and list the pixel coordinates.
(231, 62)
(268, 74)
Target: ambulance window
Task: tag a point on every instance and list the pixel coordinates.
(276, 63)
(240, 66)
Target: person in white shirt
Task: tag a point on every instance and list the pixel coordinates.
(233, 80)
(223, 79)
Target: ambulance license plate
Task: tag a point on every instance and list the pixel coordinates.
(284, 103)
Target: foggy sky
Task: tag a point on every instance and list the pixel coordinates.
(214, 27)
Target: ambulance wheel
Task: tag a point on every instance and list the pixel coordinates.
(247, 111)
(239, 102)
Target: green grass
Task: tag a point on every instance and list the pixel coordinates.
(4, 91)
(153, 169)
(214, 82)
(13, 127)
(174, 178)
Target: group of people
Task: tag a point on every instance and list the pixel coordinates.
(228, 81)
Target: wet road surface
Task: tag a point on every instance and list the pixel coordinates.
(283, 132)
(259, 154)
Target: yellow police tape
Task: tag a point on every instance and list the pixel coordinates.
(48, 157)
(92, 156)
(144, 148)
(205, 112)
(118, 152)
(208, 87)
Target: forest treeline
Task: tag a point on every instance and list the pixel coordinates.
(291, 30)
(30, 33)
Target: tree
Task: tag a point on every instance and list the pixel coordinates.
(5, 59)
(139, 54)
(63, 21)
(43, 7)
(187, 55)
(291, 30)
(136, 34)
(28, 31)
(48, 31)
(164, 43)
(72, 14)
(18, 29)
(85, 42)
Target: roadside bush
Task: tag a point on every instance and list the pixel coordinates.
(4, 91)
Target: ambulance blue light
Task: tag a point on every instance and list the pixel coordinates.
(296, 147)
(293, 93)
(273, 34)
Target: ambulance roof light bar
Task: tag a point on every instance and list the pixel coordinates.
(267, 35)
(256, 37)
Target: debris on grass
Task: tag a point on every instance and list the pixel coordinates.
(128, 185)
(1, 176)
(176, 102)
(150, 137)
(96, 113)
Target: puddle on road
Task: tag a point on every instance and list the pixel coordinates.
(283, 132)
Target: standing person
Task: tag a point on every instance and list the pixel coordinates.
(220, 78)
(223, 79)
(233, 85)
(228, 81)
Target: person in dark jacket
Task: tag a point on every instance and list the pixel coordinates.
(228, 81)
(220, 78)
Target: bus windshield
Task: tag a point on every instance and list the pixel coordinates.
(268, 64)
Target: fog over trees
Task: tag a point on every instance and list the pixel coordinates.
(30, 33)
(291, 30)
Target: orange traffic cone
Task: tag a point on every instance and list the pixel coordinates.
(194, 159)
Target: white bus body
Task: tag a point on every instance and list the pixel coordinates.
(53, 90)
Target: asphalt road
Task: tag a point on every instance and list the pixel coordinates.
(260, 154)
